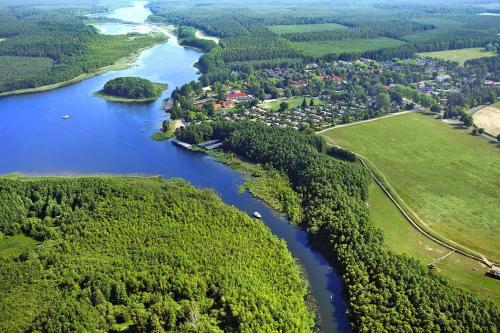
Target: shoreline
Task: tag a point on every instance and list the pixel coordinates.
(121, 64)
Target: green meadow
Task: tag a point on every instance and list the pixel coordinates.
(300, 28)
(460, 56)
(448, 176)
(322, 48)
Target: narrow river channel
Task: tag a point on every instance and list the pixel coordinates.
(110, 138)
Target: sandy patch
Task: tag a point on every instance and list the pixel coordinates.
(489, 119)
(200, 35)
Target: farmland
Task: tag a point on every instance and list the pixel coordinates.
(450, 178)
(301, 28)
(460, 56)
(488, 118)
(402, 238)
(322, 48)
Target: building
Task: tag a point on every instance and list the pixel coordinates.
(236, 96)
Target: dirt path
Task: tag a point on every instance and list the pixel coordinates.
(369, 120)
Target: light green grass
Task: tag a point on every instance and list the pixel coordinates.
(460, 56)
(449, 177)
(322, 48)
(15, 245)
(159, 90)
(162, 136)
(299, 28)
(292, 103)
(402, 238)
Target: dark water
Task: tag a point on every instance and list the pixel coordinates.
(111, 138)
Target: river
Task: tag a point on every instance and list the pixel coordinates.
(103, 137)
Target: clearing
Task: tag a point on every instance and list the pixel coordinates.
(322, 48)
(402, 238)
(460, 55)
(489, 119)
(293, 102)
(449, 177)
(201, 35)
(300, 28)
(11, 246)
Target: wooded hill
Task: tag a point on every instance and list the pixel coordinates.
(140, 255)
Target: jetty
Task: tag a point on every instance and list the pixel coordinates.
(181, 144)
(212, 144)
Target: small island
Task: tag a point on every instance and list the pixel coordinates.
(131, 90)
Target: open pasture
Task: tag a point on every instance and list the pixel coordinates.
(449, 177)
(489, 119)
(460, 56)
(322, 48)
(300, 28)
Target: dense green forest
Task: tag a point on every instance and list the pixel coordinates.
(187, 37)
(385, 292)
(140, 255)
(131, 87)
(56, 45)
(247, 40)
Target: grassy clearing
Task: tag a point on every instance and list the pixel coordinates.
(322, 48)
(15, 245)
(449, 177)
(160, 88)
(460, 56)
(299, 28)
(402, 238)
(292, 103)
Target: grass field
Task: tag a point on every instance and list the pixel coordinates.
(322, 48)
(402, 238)
(15, 245)
(460, 56)
(489, 119)
(292, 103)
(449, 177)
(299, 28)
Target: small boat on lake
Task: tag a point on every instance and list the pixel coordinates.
(66, 116)
(257, 215)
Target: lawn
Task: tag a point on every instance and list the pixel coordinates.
(449, 177)
(322, 48)
(402, 238)
(292, 103)
(11, 246)
(460, 56)
(299, 28)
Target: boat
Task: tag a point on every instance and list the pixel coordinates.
(257, 215)
(66, 116)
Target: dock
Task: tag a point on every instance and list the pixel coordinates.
(181, 144)
(212, 144)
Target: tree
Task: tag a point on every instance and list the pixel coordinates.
(382, 101)
(283, 106)
(304, 103)
(209, 108)
(498, 137)
(165, 125)
(466, 119)
(480, 130)
(311, 103)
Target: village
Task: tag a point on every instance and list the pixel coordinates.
(322, 95)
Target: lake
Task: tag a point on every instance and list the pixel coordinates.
(103, 137)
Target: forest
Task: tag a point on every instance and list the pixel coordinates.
(385, 292)
(247, 38)
(140, 255)
(130, 87)
(56, 46)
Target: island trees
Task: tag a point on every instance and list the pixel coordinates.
(134, 89)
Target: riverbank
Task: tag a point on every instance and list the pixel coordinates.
(160, 88)
(121, 64)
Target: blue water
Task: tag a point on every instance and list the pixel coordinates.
(103, 137)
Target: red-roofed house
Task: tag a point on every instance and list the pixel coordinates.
(236, 96)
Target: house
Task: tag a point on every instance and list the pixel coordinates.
(488, 82)
(442, 78)
(236, 96)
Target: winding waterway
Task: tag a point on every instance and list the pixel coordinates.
(112, 138)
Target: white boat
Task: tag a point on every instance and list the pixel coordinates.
(257, 215)
(66, 116)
